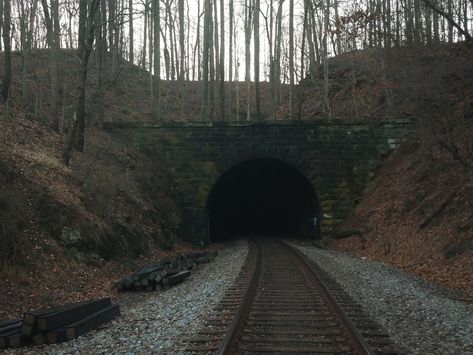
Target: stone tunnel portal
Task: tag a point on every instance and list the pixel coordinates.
(263, 197)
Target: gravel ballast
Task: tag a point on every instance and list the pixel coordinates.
(420, 317)
(161, 322)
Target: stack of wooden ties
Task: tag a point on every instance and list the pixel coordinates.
(57, 324)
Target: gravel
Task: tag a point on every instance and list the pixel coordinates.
(160, 322)
(420, 317)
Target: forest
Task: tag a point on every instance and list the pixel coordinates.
(219, 44)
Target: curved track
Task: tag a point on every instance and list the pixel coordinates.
(282, 303)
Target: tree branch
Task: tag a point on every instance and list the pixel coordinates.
(450, 20)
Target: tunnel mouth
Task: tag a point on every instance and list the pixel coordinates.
(263, 197)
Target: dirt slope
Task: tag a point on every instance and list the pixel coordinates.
(68, 233)
(417, 214)
(417, 211)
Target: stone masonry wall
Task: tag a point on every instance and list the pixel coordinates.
(337, 157)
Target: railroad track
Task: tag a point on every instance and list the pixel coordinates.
(283, 303)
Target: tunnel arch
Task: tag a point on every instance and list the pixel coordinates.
(262, 196)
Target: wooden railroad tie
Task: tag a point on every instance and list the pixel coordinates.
(57, 324)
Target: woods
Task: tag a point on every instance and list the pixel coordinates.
(277, 41)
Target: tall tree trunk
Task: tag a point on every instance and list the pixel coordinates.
(222, 60)
(300, 96)
(428, 24)
(277, 56)
(172, 64)
(176, 46)
(231, 29)
(409, 26)
(156, 60)
(104, 24)
(151, 53)
(205, 61)
(436, 28)
(183, 53)
(216, 41)
(231, 11)
(87, 11)
(248, 26)
(418, 30)
(26, 18)
(388, 25)
(337, 28)
(257, 56)
(100, 54)
(7, 73)
(130, 30)
(1, 24)
(196, 51)
(291, 59)
(53, 30)
(188, 57)
(145, 34)
(450, 16)
(212, 68)
(326, 69)
(310, 36)
(114, 39)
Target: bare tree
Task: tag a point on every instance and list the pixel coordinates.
(291, 59)
(131, 31)
(449, 18)
(248, 27)
(53, 31)
(87, 11)
(7, 77)
(183, 53)
(257, 58)
(156, 15)
(1, 23)
(222, 60)
(27, 13)
(231, 17)
(114, 39)
(205, 60)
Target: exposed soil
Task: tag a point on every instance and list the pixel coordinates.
(417, 211)
(68, 233)
(416, 187)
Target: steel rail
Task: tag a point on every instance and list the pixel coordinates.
(238, 320)
(357, 339)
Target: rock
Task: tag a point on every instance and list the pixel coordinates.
(70, 237)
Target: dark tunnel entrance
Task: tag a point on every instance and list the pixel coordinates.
(262, 197)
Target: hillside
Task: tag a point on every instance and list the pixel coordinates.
(68, 233)
(390, 83)
(417, 211)
(127, 97)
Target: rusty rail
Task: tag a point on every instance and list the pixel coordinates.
(282, 304)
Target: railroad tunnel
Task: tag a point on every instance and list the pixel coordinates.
(263, 197)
